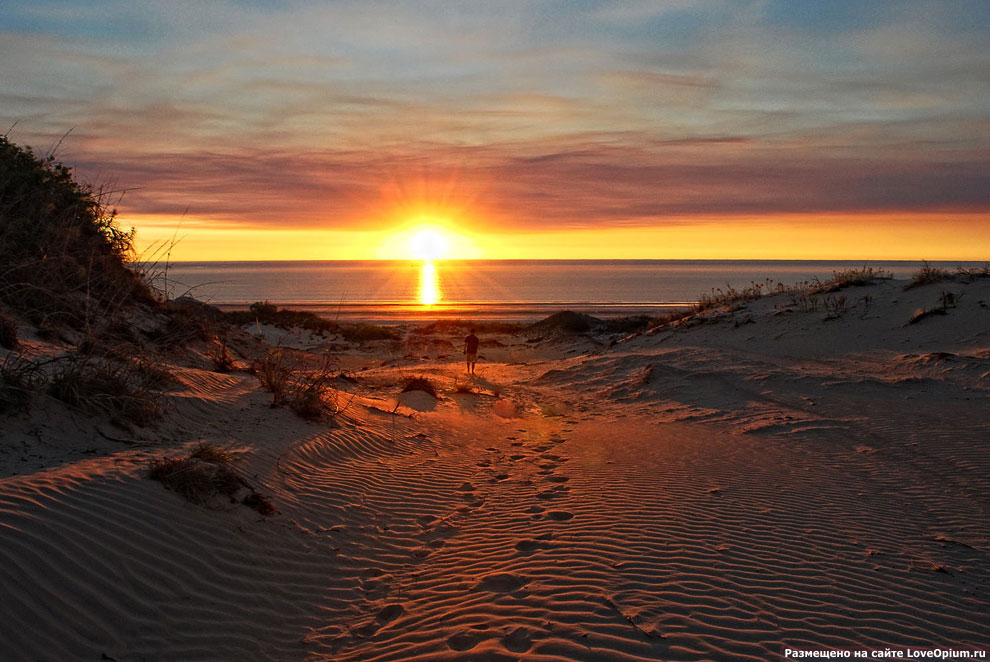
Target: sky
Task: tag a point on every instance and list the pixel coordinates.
(521, 128)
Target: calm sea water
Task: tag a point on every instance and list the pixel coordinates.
(493, 289)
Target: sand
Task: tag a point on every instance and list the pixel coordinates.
(719, 490)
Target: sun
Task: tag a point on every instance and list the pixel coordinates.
(429, 244)
(428, 241)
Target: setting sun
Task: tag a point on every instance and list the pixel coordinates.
(428, 244)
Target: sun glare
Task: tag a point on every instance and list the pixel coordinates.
(428, 244)
(429, 285)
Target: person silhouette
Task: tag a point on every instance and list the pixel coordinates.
(471, 351)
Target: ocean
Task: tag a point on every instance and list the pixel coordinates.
(389, 291)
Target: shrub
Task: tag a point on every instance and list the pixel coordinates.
(196, 480)
(63, 260)
(926, 275)
(311, 394)
(8, 333)
(105, 387)
(223, 360)
(420, 384)
(274, 373)
(206, 474)
(18, 377)
(450, 326)
(367, 332)
(308, 393)
(211, 453)
(631, 324)
(268, 313)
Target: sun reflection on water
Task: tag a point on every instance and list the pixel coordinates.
(429, 285)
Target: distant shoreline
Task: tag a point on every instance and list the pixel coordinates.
(403, 313)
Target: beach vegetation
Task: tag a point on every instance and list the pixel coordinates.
(307, 392)
(459, 325)
(974, 273)
(629, 324)
(567, 321)
(311, 394)
(220, 356)
(8, 332)
(927, 275)
(63, 259)
(263, 312)
(205, 474)
(211, 453)
(107, 387)
(274, 372)
(18, 378)
(367, 332)
(420, 384)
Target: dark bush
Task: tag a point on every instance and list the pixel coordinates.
(8, 333)
(63, 260)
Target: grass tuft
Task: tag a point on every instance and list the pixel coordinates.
(8, 333)
(204, 475)
(223, 360)
(308, 393)
(105, 387)
(928, 274)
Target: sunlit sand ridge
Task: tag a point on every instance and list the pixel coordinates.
(700, 492)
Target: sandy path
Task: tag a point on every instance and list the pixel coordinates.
(670, 498)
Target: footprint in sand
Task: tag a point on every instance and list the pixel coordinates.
(485, 463)
(466, 487)
(557, 479)
(516, 457)
(501, 582)
(560, 515)
(529, 545)
(465, 640)
(519, 640)
(366, 630)
(390, 613)
(499, 477)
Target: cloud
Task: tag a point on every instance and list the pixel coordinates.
(530, 113)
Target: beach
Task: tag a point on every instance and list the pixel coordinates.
(757, 476)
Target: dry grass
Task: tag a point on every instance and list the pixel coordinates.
(206, 474)
(927, 275)
(457, 325)
(211, 453)
(274, 372)
(307, 392)
(311, 394)
(8, 333)
(196, 480)
(220, 356)
(105, 387)
(18, 378)
(263, 312)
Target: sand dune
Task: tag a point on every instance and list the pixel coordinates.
(708, 492)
